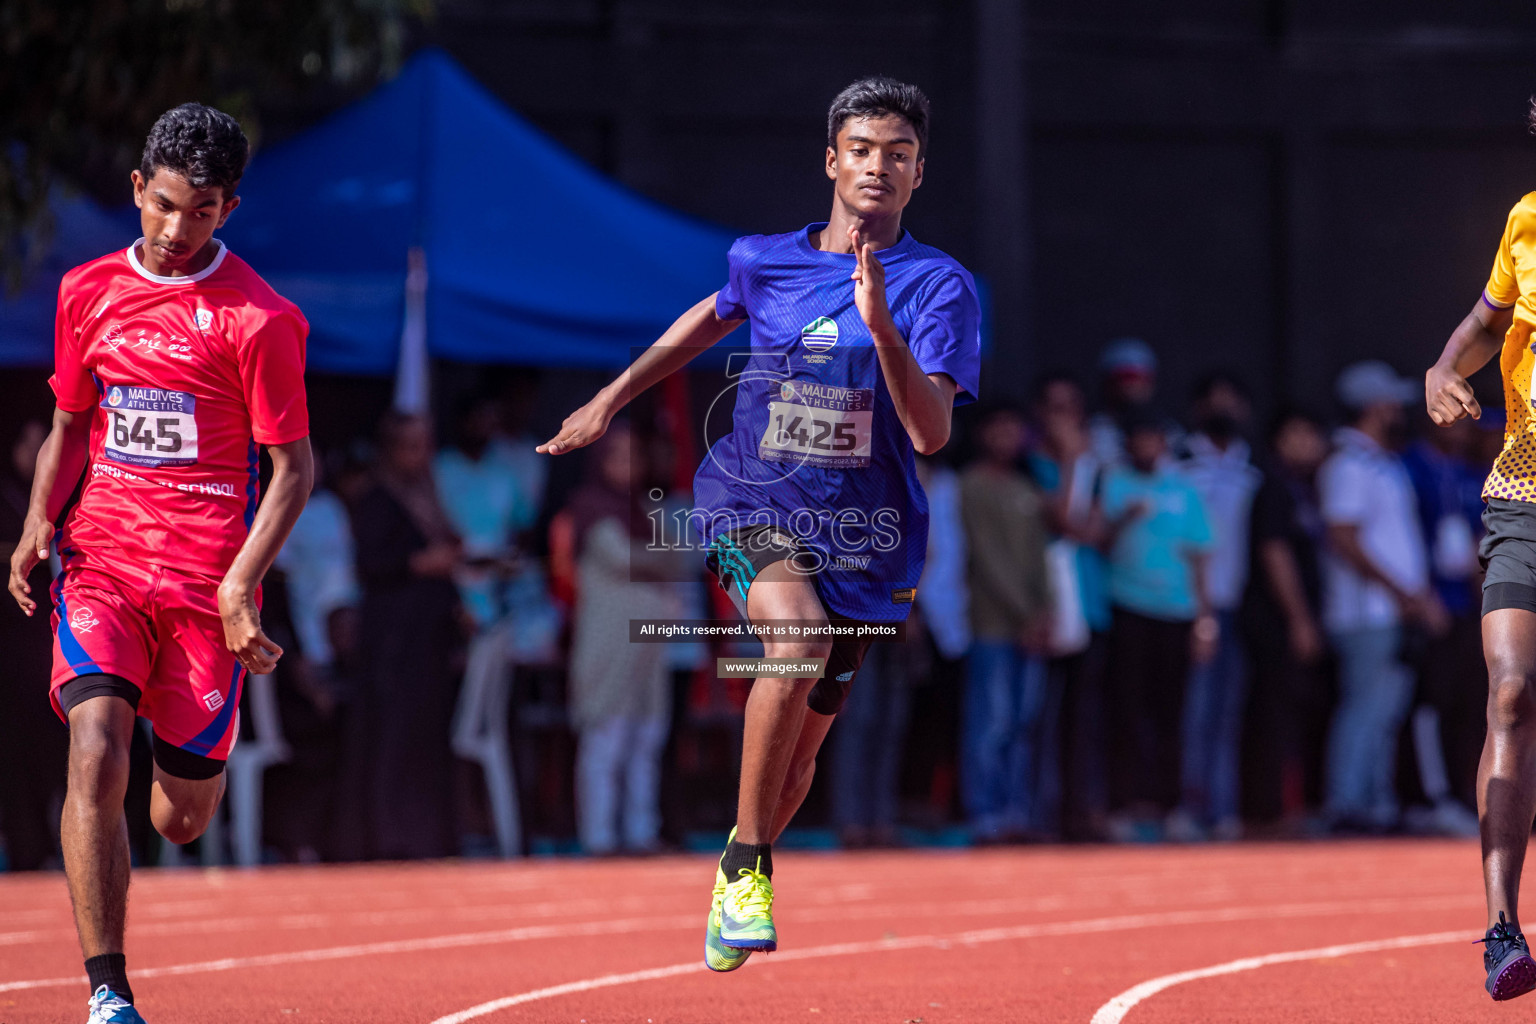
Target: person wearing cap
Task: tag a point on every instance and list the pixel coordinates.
(1128, 384)
(1375, 585)
(1501, 323)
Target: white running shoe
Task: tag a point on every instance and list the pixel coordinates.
(107, 1007)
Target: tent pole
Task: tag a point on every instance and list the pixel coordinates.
(413, 385)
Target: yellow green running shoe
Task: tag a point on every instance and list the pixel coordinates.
(717, 955)
(746, 913)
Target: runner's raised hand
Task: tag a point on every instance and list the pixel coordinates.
(869, 284)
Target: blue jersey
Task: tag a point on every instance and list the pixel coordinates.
(816, 448)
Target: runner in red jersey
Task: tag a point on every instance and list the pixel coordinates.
(173, 362)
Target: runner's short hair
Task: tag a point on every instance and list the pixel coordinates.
(878, 96)
(201, 144)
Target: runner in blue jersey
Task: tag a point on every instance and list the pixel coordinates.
(863, 341)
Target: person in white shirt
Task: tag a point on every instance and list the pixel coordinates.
(318, 561)
(485, 499)
(1375, 584)
(1218, 464)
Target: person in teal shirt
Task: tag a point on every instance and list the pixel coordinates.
(1163, 533)
(1158, 540)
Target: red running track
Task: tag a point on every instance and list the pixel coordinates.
(1326, 932)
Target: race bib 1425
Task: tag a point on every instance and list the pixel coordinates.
(819, 425)
(150, 426)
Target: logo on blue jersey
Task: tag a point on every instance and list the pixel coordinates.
(820, 334)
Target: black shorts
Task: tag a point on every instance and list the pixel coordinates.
(1508, 555)
(736, 558)
(183, 764)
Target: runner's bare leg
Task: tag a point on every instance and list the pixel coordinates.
(94, 829)
(776, 707)
(1506, 775)
(182, 808)
(802, 769)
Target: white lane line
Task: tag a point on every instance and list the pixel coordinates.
(1114, 1011)
(571, 988)
(695, 966)
(296, 921)
(623, 926)
(968, 938)
(304, 909)
(644, 924)
(824, 909)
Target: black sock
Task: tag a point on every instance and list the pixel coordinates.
(757, 856)
(111, 970)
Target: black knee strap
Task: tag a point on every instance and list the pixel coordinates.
(96, 684)
(830, 693)
(1497, 596)
(183, 764)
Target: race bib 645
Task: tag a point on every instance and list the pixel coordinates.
(150, 426)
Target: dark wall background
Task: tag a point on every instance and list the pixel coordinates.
(1271, 187)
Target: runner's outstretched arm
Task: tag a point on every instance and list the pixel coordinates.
(690, 334)
(1475, 340)
(293, 477)
(924, 401)
(59, 465)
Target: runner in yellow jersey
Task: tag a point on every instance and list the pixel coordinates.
(1501, 323)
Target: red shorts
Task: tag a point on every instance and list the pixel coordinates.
(159, 629)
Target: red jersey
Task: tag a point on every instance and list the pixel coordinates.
(187, 375)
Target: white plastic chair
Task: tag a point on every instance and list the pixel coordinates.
(247, 768)
(480, 730)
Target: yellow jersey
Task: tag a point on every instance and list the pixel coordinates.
(1513, 284)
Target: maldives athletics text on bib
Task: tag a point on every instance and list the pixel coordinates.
(149, 426)
(820, 425)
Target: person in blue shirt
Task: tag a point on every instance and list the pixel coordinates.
(1448, 720)
(862, 341)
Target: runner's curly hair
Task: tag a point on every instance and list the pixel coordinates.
(201, 144)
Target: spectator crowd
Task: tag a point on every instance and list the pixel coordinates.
(1177, 635)
(1132, 627)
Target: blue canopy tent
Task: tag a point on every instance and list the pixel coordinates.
(82, 231)
(532, 256)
